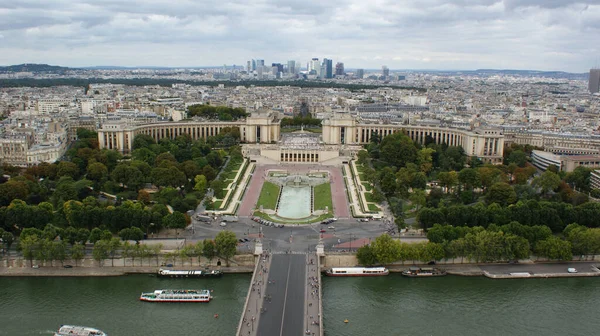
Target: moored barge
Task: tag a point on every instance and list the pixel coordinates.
(357, 271)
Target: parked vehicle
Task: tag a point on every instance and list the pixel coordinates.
(203, 218)
(223, 224)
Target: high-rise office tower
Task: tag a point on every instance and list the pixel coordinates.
(260, 63)
(360, 73)
(327, 68)
(314, 65)
(594, 84)
(253, 65)
(385, 71)
(339, 69)
(249, 66)
(277, 69)
(291, 67)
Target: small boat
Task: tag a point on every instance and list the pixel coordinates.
(415, 272)
(177, 295)
(167, 273)
(73, 330)
(357, 271)
(346, 321)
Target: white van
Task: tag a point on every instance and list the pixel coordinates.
(377, 216)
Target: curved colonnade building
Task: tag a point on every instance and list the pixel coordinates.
(342, 137)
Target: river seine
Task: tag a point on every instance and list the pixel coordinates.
(390, 305)
(38, 306)
(453, 305)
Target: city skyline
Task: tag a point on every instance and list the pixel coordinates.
(509, 34)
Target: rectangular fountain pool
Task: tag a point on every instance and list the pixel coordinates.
(294, 202)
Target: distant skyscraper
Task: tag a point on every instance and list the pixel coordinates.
(339, 69)
(327, 68)
(385, 71)
(277, 68)
(360, 73)
(314, 65)
(249, 66)
(594, 84)
(291, 67)
(253, 65)
(260, 63)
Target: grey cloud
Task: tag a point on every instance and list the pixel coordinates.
(399, 33)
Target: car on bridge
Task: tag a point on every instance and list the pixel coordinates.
(322, 231)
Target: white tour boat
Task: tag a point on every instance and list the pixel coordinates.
(177, 295)
(357, 271)
(73, 330)
(167, 273)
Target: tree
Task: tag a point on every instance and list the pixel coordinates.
(176, 221)
(97, 172)
(132, 233)
(468, 177)
(365, 256)
(58, 251)
(580, 178)
(65, 191)
(226, 244)
(29, 246)
(501, 193)
(77, 252)
(386, 249)
(448, 180)
(168, 177)
(209, 250)
(113, 246)
(144, 197)
(424, 159)
(198, 250)
(433, 251)
(217, 187)
(200, 183)
(517, 157)
(7, 240)
(554, 248)
(95, 235)
(66, 168)
(453, 158)
(489, 175)
(362, 157)
(418, 198)
(100, 251)
(127, 176)
(547, 182)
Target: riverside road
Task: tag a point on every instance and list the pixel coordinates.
(285, 297)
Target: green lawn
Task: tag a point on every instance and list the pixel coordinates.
(373, 207)
(268, 196)
(322, 194)
(369, 197)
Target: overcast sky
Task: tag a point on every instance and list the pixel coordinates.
(402, 34)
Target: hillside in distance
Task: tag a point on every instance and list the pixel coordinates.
(34, 68)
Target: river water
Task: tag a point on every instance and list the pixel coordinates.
(452, 305)
(39, 305)
(391, 305)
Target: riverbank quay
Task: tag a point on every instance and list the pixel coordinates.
(105, 271)
(535, 268)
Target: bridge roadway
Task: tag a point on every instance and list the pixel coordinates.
(285, 297)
